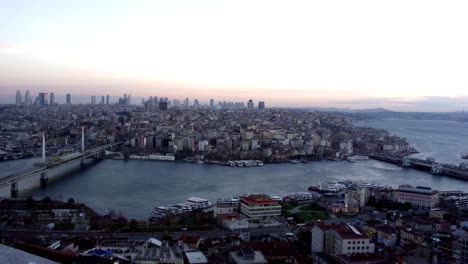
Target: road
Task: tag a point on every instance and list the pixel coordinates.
(28, 234)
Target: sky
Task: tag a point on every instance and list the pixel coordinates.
(409, 55)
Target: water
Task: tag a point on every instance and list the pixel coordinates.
(442, 140)
(135, 187)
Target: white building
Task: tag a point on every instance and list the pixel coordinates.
(421, 197)
(259, 207)
(340, 239)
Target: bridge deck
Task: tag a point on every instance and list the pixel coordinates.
(50, 164)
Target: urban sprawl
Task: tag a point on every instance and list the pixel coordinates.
(334, 222)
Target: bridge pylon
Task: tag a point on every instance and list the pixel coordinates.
(14, 190)
(44, 179)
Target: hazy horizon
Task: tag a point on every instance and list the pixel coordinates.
(398, 55)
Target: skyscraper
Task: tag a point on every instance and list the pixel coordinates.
(52, 99)
(18, 98)
(68, 99)
(163, 105)
(187, 102)
(261, 105)
(93, 100)
(107, 99)
(129, 99)
(27, 98)
(43, 99)
(250, 104)
(212, 103)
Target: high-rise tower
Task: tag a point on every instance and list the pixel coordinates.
(19, 100)
(52, 99)
(27, 98)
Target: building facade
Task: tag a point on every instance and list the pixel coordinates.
(259, 207)
(420, 197)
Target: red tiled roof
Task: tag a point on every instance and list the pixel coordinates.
(258, 199)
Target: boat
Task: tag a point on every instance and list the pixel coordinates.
(294, 161)
(357, 158)
(198, 203)
(299, 196)
(464, 155)
(314, 188)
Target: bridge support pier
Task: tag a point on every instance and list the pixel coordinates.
(44, 180)
(14, 190)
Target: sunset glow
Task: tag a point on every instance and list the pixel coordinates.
(290, 53)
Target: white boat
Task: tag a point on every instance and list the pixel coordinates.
(357, 158)
(198, 203)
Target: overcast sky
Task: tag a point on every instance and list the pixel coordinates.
(354, 54)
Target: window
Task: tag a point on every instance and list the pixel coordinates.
(349, 248)
(354, 242)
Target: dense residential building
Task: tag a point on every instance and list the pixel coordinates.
(420, 197)
(259, 207)
(247, 255)
(340, 239)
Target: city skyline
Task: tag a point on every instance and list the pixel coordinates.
(406, 55)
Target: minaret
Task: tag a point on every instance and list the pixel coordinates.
(43, 148)
(82, 139)
(43, 178)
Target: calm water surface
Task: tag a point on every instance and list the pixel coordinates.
(135, 187)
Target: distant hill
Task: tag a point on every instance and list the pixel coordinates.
(347, 110)
(373, 113)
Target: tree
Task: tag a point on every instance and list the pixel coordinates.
(133, 224)
(29, 202)
(71, 201)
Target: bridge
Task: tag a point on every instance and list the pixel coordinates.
(43, 167)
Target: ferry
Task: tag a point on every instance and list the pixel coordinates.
(198, 203)
(299, 196)
(357, 158)
(191, 204)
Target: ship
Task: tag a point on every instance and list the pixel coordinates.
(464, 155)
(357, 158)
(191, 204)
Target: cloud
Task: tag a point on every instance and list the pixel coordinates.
(9, 48)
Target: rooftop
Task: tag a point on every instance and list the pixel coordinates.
(12, 255)
(196, 257)
(255, 199)
(417, 189)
